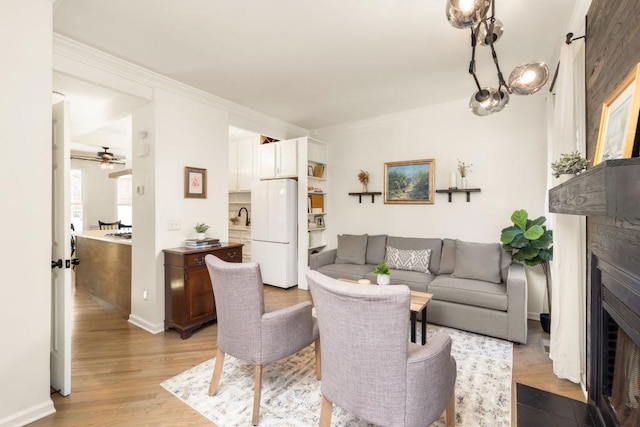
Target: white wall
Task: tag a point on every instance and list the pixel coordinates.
(25, 183)
(507, 150)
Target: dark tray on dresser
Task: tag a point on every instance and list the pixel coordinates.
(188, 296)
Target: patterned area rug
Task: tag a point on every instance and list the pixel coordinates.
(291, 393)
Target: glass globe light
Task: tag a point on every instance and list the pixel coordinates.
(485, 101)
(527, 79)
(503, 93)
(484, 36)
(466, 13)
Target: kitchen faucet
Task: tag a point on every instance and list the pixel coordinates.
(247, 222)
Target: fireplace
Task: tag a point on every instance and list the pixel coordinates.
(614, 378)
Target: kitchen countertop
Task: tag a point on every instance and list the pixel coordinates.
(101, 235)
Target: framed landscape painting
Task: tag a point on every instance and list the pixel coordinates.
(409, 182)
(619, 120)
(195, 183)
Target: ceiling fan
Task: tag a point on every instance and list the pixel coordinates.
(105, 157)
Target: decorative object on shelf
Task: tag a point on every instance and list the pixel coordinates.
(532, 244)
(409, 182)
(569, 164)
(363, 177)
(464, 169)
(310, 170)
(619, 120)
(486, 30)
(234, 220)
(450, 191)
(319, 221)
(201, 229)
(383, 273)
(318, 171)
(453, 181)
(195, 183)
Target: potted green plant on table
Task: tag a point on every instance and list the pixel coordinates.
(569, 164)
(201, 229)
(531, 243)
(383, 273)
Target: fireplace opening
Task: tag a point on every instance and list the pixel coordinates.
(625, 385)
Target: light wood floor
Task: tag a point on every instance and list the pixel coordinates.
(117, 368)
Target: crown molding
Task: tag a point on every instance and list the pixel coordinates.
(72, 50)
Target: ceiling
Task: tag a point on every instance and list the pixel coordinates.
(314, 63)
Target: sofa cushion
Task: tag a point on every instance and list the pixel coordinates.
(408, 259)
(478, 261)
(376, 246)
(420, 243)
(505, 263)
(448, 257)
(351, 249)
(347, 271)
(477, 293)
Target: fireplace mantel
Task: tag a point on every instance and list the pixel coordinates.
(610, 189)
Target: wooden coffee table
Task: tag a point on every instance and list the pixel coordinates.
(419, 301)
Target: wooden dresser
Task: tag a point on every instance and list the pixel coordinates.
(188, 296)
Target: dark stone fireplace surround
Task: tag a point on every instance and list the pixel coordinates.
(610, 192)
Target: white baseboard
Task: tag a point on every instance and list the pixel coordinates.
(29, 415)
(533, 316)
(143, 324)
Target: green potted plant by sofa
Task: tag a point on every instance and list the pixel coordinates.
(383, 273)
(531, 243)
(201, 229)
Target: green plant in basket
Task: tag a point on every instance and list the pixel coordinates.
(382, 269)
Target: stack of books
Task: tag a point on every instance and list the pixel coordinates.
(201, 244)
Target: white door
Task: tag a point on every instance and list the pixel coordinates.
(287, 158)
(267, 160)
(60, 253)
(279, 220)
(259, 211)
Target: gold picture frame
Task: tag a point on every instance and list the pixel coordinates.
(409, 182)
(619, 120)
(195, 183)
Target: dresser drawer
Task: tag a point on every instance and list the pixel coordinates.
(230, 255)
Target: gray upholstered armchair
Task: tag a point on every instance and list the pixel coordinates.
(250, 332)
(369, 367)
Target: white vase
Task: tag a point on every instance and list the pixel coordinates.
(200, 236)
(383, 279)
(463, 182)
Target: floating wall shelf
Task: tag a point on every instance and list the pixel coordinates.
(450, 191)
(368, 193)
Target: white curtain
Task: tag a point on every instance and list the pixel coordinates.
(568, 269)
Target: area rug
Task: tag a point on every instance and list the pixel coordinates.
(291, 393)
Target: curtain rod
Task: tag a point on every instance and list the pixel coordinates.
(569, 38)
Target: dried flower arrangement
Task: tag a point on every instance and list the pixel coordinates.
(568, 164)
(464, 168)
(363, 177)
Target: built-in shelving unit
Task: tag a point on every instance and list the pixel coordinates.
(312, 202)
(373, 194)
(450, 191)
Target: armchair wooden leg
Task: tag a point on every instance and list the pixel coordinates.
(318, 359)
(325, 412)
(450, 416)
(217, 372)
(256, 395)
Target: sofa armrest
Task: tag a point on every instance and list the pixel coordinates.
(322, 258)
(517, 303)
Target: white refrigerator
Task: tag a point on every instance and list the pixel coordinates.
(274, 230)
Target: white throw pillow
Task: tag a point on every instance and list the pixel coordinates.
(408, 259)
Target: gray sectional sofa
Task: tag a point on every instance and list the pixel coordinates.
(475, 286)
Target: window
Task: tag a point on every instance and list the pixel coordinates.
(125, 210)
(77, 206)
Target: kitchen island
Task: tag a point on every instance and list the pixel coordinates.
(105, 267)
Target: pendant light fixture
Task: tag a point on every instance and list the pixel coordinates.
(486, 30)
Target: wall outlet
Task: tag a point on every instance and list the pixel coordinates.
(174, 224)
(144, 295)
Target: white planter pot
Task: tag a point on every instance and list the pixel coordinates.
(383, 279)
(200, 236)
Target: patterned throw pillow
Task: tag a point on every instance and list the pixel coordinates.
(409, 259)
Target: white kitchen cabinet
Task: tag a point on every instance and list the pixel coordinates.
(278, 159)
(241, 171)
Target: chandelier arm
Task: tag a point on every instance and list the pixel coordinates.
(501, 81)
(472, 63)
